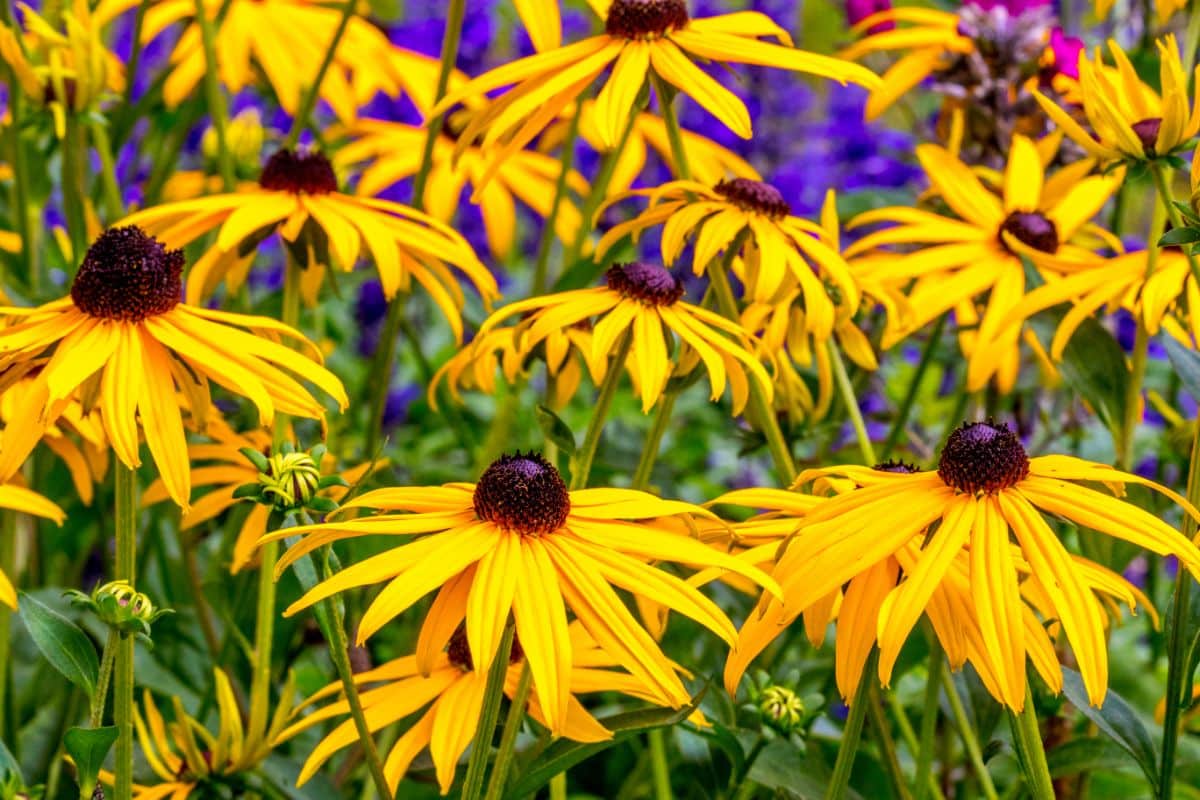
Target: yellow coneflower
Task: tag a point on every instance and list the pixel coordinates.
(185, 757)
(519, 542)
(450, 689)
(1129, 120)
(640, 36)
(298, 197)
(24, 501)
(979, 250)
(123, 341)
(985, 490)
(640, 304)
(393, 152)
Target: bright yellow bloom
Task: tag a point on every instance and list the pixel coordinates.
(978, 251)
(123, 341)
(984, 491)
(297, 197)
(186, 757)
(1165, 8)
(447, 686)
(640, 36)
(24, 501)
(519, 542)
(393, 152)
(1129, 119)
(640, 304)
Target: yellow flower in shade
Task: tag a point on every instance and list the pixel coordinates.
(641, 303)
(393, 151)
(975, 255)
(930, 38)
(519, 542)
(219, 464)
(124, 343)
(640, 36)
(450, 689)
(1129, 120)
(65, 71)
(24, 501)
(298, 197)
(185, 757)
(985, 492)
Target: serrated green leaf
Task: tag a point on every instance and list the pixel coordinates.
(65, 646)
(88, 747)
(1116, 720)
(556, 431)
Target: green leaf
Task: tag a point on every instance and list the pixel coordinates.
(564, 754)
(1179, 236)
(557, 432)
(89, 747)
(1118, 721)
(1093, 364)
(9, 768)
(1187, 365)
(1085, 755)
(783, 767)
(65, 646)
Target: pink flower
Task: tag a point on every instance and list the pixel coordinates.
(1066, 50)
(858, 10)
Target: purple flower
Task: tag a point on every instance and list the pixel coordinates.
(858, 10)
(1013, 7)
(1066, 50)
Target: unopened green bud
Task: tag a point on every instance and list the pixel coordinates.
(781, 708)
(120, 606)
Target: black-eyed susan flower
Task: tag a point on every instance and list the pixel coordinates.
(1128, 120)
(24, 501)
(643, 302)
(985, 494)
(640, 36)
(392, 152)
(446, 684)
(974, 258)
(124, 343)
(298, 197)
(185, 757)
(519, 542)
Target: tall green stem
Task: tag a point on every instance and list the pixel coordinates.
(114, 206)
(842, 378)
(217, 108)
(489, 714)
(914, 387)
(126, 515)
(929, 718)
(662, 418)
(1027, 737)
(74, 191)
(309, 101)
(566, 160)
(107, 659)
(450, 41)
(581, 466)
(852, 732)
(660, 770)
(887, 745)
(508, 737)
(8, 552)
(598, 192)
(967, 733)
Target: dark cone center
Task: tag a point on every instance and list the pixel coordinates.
(524, 494)
(1033, 229)
(1147, 133)
(891, 465)
(289, 171)
(643, 19)
(649, 283)
(128, 275)
(756, 196)
(983, 457)
(459, 650)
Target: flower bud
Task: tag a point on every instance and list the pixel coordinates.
(782, 709)
(120, 606)
(243, 138)
(289, 480)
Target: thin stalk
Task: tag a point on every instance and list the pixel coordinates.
(114, 207)
(662, 418)
(558, 787)
(126, 516)
(851, 402)
(741, 778)
(914, 387)
(545, 244)
(489, 714)
(1163, 187)
(309, 101)
(852, 732)
(217, 109)
(203, 612)
(8, 553)
(581, 468)
(666, 102)
(886, 744)
(508, 737)
(107, 659)
(385, 353)
(598, 192)
(660, 769)
(1027, 736)
(450, 41)
(967, 734)
(929, 718)
(135, 53)
(74, 156)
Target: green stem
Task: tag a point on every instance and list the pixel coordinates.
(558, 787)
(887, 745)
(1191, 38)
(126, 516)
(74, 156)
(135, 53)
(660, 769)
(114, 207)
(508, 737)
(566, 160)
(107, 659)
(217, 108)
(842, 378)
(914, 388)
(581, 467)
(662, 418)
(1027, 737)
(598, 193)
(1163, 187)
(8, 553)
(489, 714)
(450, 40)
(967, 734)
(309, 101)
(852, 732)
(666, 102)
(929, 719)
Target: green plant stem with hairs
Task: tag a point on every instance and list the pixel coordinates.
(74, 157)
(126, 507)
(967, 733)
(217, 107)
(914, 387)
(1031, 752)
(8, 553)
(581, 465)
(852, 732)
(107, 659)
(508, 737)
(489, 714)
(846, 389)
(309, 101)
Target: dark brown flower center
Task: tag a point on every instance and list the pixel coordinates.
(755, 196)
(1147, 132)
(1033, 229)
(524, 494)
(289, 171)
(649, 283)
(892, 465)
(983, 457)
(643, 19)
(459, 650)
(128, 275)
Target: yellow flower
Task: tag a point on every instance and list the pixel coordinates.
(298, 197)
(978, 251)
(1129, 119)
(985, 490)
(1165, 8)
(64, 71)
(639, 305)
(24, 501)
(640, 36)
(185, 757)
(393, 152)
(450, 689)
(123, 342)
(519, 542)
